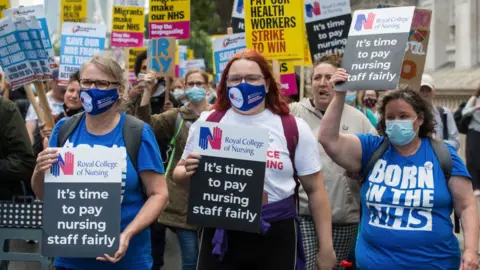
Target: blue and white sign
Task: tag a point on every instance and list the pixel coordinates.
(182, 57)
(13, 60)
(35, 36)
(189, 64)
(224, 48)
(39, 12)
(80, 42)
(27, 47)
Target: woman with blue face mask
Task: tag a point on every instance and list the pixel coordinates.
(248, 95)
(171, 128)
(144, 192)
(412, 184)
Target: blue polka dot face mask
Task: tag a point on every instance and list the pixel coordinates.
(246, 96)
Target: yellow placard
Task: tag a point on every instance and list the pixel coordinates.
(128, 23)
(190, 55)
(73, 11)
(307, 57)
(275, 28)
(169, 18)
(132, 55)
(4, 4)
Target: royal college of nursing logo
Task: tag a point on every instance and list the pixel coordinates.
(206, 138)
(66, 166)
(236, 97)
(86, 101)
(365, 21)
(313, 9)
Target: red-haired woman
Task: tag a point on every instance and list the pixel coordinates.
(247, 75)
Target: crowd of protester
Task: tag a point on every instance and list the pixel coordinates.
(341, 149)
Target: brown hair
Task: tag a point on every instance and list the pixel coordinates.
(477, 93)
(422, 107)
(273, 100)
(334, 59)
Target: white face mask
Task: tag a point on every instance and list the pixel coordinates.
(178, 93)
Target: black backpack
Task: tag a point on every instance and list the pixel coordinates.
(441, 152)
(461, 120)
(132, 135)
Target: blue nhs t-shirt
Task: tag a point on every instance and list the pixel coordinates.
(138, 254)
(406, 206)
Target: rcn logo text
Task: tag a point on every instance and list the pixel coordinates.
(365, 21)
(65, 165)
(206, 138)
(313, 9)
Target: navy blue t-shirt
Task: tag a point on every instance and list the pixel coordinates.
(138, 255)
(406, 206)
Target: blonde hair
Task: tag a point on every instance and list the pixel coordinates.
(196, 70)
(108, 66)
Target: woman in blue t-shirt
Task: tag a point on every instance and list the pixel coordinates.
(101, 82)
(406, 201)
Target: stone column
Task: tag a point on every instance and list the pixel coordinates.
(466, 33)
(439, 33)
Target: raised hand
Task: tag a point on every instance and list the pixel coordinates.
(67, 165)
(216, 141)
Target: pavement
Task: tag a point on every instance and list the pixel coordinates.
(171, 256)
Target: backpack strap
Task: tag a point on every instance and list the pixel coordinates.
(445, 160)
(377, 154)
(443, 116)
(68, 128)
(216, 116)
(178, 125)
(132, 135)
(290, 131)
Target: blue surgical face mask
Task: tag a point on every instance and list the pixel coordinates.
(246, 96)
(400, 132)
(350, 97)
(96, 101)
(196, 94)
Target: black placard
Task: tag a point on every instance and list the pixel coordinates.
(83, 219)
(227, 193)
(328, 36)
(374, 62)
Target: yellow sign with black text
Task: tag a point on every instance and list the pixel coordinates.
(275, 28)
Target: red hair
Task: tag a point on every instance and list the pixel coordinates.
(273, 100)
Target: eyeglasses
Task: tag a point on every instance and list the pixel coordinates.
(100, 84)
(234, 80)
(197, 84)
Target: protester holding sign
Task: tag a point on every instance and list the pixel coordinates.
(414, 183)
(172, 126)
(343, 191)
(102, 126)
(157, 100)
(248, 95)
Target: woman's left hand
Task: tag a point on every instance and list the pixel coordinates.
(122, 249)
(326, 259)
(469, 260)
